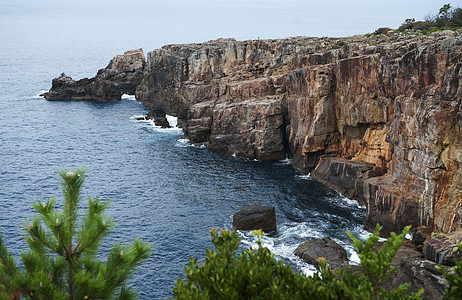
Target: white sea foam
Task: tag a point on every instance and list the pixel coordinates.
(173, 121)
(284, 243)
(290, 235)
(346, 202)
(128, 97)
(185, 143)
(304, 176)
(286, 161)
(38, 95)
(140, 118)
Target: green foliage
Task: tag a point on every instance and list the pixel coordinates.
(448, 18)
(382, 30)
(62, 260)
(376, 265)
(256, 274)
(454, 279)
(338, 45)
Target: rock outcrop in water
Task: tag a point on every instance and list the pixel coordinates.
(123, 74)
(310, 251)
(375, 117)
(255, 217)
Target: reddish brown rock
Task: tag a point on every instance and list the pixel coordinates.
(388, 106)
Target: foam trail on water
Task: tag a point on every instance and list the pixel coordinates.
(304, 176)
(185, 143)
(39, 95)
(343, 201)
(289, 235)
(173, 121)
(128, 97)
(285, 161)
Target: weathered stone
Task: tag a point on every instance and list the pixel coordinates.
(420, 273)
(419, 235)
(394, 106)
(157, 114)
(442, 248)
(390, 106)
(253, 128)
(121, 76)
(313, 249)
(255, 217)
(345, 175)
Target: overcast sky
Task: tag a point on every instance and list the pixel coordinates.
(180, 21)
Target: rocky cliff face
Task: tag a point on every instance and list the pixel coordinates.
(376, 117)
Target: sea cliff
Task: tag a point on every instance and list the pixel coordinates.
(377, 117)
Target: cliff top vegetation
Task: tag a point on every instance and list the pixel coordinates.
(447, 18)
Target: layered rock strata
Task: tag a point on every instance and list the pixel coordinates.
(376, 117)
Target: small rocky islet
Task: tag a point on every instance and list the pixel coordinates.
(376, 117)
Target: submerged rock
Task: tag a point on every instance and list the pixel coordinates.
(255, 217)
(310, 251)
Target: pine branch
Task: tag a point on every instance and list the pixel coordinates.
(13, 288)
(112, 269)
(60, 239)
(89, 243)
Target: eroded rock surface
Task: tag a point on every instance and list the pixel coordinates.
(123, 74)
(310, 251)
(421, 273)
(254, 217)
(442, 248)
(376, 117)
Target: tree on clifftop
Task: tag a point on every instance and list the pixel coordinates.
(62, 261)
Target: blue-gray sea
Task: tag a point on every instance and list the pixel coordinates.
(162, 189)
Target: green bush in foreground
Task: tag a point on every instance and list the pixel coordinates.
(62, 259)
(454, 279)
(256, 274)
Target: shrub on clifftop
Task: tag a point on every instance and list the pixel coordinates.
(447, 18)
(256, 274)
(62, 260)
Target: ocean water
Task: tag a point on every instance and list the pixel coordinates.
(162, 189)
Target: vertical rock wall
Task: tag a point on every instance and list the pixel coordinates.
(376, 117)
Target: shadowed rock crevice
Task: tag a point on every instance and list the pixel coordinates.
(378, 119)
